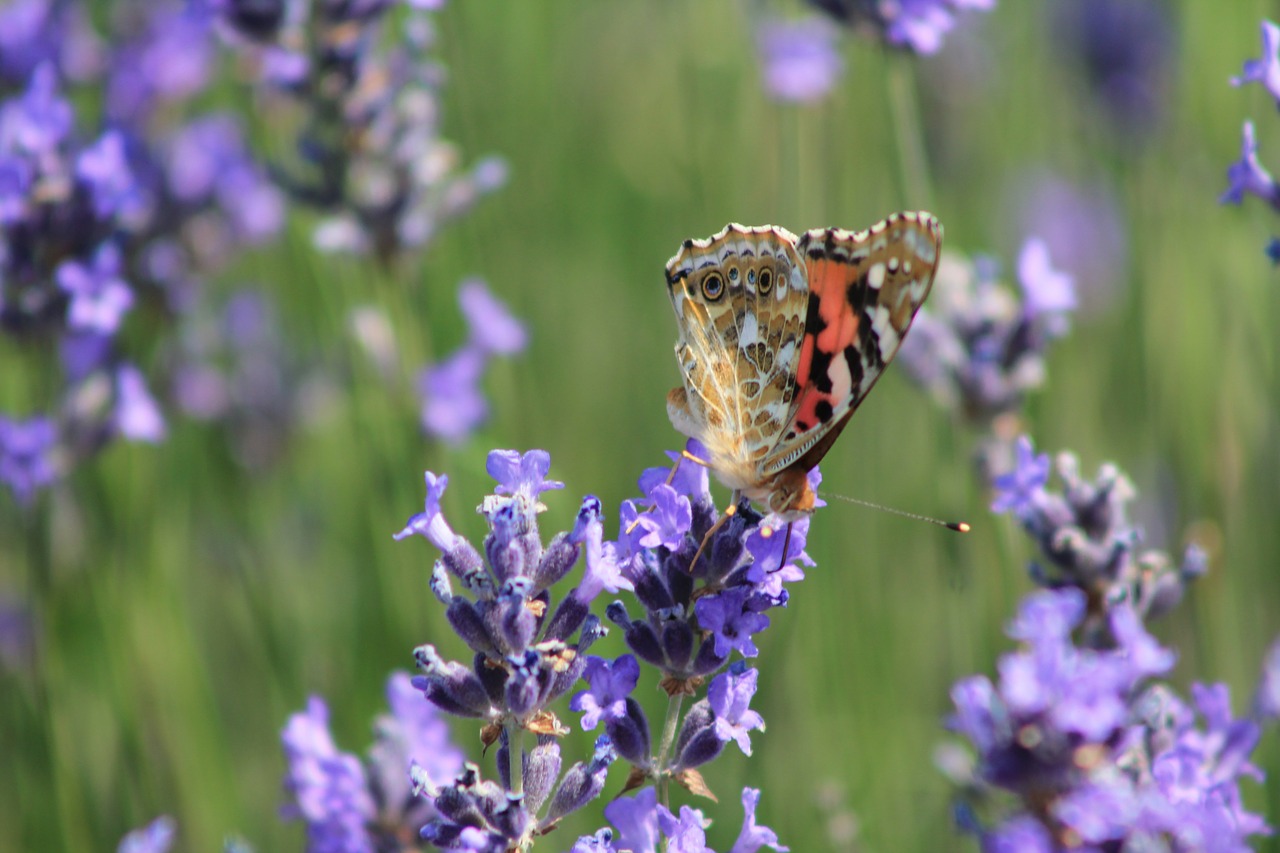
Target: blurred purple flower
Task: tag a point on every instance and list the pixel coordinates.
(1266, 702)
(40, 119)
(155, 837)
(453, 406)
(1266, 69)
(801, 58)
(1247, 175)
(137, 415)
(493, 328)
(170, 59)
(1017, 490)
(27, 456)
(327, 788)
(99, 296)
(1084, 229)
(104, 167)
(921, 25)
(1045, 290)
(1124, 49)
(15, 184)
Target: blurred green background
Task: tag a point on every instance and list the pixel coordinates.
(187, 606)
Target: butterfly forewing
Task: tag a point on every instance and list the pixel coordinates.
(740, 300)
(864, 290)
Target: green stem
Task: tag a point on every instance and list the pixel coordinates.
(913, 166)
(674, 705)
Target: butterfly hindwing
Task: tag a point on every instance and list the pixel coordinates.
(864, 290)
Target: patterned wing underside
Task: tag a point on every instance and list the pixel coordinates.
(864, 290)
(738, 350)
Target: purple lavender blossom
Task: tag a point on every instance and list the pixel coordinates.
(27, 456)
(753, 836)
(521, 474)
(611, 682)
(1086, 537)
(1247, 175)
(1265, 69)
(800, 59)
(730, 623)
(729, 696)
(669, 521)
(430, 522)
(99, 296)
(636, 819)
(155, 837)
(170, 59)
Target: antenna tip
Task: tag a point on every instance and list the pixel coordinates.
(959, 526)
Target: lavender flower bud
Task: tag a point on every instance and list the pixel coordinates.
(440, 586)
(450, 685)
(568, 617)
(541, 769)
(523, 688)
(468, 623)
(677, 643)
(556, 561)
(630, 734)
(583, 783)
(697, 742)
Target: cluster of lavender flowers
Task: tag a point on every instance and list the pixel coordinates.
(977, 348)
(698, 605)
(370, 153)
(1077, 745)
(1247, 176)
(801, 59)
(102, 225)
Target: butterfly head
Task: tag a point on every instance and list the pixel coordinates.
(790, 495)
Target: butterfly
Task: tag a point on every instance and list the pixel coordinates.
(780, 339)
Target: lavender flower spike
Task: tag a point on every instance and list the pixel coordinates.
(1265, 69)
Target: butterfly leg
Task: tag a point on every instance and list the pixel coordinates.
(729, 513)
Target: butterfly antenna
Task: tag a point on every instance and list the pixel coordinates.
(786, 543)
(957, 526)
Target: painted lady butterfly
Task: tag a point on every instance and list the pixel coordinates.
(781, 339)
